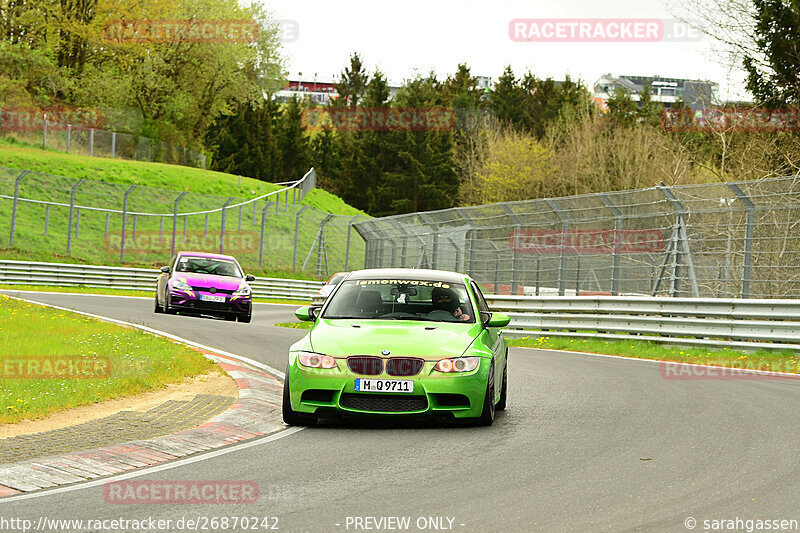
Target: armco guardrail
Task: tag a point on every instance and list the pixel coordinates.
(143, 279)
(737, 323)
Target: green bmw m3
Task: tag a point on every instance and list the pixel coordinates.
(391, 342)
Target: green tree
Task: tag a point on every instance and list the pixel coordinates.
(353, 83)
(506, 99)
(292, 142)
(622, 110)
(773, 75)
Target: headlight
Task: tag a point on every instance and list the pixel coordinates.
(458, 364)
(243, 290)
(316, 360)
(181, 285)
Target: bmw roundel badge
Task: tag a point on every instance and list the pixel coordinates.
(385, 352)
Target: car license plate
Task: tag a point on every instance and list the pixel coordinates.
(384, 385)
(211, 298)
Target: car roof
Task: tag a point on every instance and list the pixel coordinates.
(408, 273)
(207, 254)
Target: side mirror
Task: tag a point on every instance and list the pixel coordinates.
(249, 277)
(495, 320)
(165, 269)
(307, 313)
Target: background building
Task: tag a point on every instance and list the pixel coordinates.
(694, 93)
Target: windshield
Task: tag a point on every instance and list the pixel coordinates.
(208, 265)
(427, 300)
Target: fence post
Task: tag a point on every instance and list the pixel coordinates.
(496, 267)
(515, 258)
(240, 218)
(286, 200)
(296, 236)
(69, 135)
(14, 207)
(473, 238)
(562, 271)
(748, 237)
(91, 142)
(175, 221)
(71, 209)
(615, 268)
(44, 131)
(124, 216)
(46, 218)
(222, 228)
(347, 249)
(435, 251)
(78, 223)
(322, 247)
(680, 241)
(108, 220)
(261, 240)
(113, 144)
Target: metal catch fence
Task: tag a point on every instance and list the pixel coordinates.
(34, 128)
(725, 240)
(106, 223)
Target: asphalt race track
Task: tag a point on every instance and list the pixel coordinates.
(587, 444)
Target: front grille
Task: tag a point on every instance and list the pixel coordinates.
(365, 365)
(216, 291)
(404, 366)
(384, 403)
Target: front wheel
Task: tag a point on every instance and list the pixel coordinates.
(290, 416)
(501, 404)
(487, 416)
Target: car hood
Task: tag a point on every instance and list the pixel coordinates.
(401, 337)
(204, 281)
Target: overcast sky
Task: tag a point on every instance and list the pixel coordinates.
(408, 36)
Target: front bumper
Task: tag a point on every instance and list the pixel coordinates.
(192, 301)
(332, 391)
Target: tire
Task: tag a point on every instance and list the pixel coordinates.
(290, 416)
(167, 309)
(487, 416)
(501, 404)
(246, 318)
(158, 308)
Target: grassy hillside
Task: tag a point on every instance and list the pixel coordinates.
(158, 185)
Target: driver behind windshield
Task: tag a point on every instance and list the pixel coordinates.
(446, 300)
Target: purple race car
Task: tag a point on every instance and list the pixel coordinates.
(203, 283)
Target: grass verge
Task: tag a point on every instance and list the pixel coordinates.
(775, 361)
(53, 360)
(295, 325)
